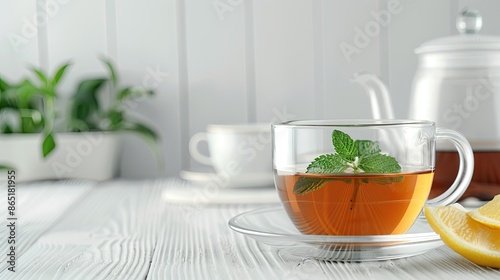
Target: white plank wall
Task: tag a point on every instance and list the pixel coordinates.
(18, 38)
(230, 61)
(414, 17)
(343, 99)
(216, 63)
(215, 37)
(73, 37)
(284, 63)
(148, 30)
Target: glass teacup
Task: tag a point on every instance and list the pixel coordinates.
(361, 177)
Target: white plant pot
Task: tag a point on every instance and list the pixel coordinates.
(85, 155)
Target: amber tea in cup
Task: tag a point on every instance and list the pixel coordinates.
(361, 177)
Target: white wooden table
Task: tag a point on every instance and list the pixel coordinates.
(125, 230)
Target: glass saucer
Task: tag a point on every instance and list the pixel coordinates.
(272, 226)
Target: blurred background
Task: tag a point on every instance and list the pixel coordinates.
(229, 61)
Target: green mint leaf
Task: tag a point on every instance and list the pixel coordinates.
(385, 180)
(360, 156)
(367, 147)
(379, 163)
(305, 185)
(344, 145)
(328, 164)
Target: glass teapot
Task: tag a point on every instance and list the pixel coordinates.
(457, 85)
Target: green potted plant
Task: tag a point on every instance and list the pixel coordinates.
(27, 117)
(98, 112)
(85, 143)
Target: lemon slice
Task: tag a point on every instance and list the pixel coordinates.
(488, 214)
(464, 235)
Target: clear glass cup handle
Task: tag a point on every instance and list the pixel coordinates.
(465, 170)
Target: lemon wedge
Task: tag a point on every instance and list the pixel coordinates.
(488, 214)
(476, 242)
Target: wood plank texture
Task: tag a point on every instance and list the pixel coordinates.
(124, 230)
(196, 243)
(111, 234)
(38, 208)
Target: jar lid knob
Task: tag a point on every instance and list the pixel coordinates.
(469, 21)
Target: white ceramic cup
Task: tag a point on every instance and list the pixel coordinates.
(238, 149)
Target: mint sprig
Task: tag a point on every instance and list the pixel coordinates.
(353, 156)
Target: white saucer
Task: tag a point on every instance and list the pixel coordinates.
(272, 226)
(189, 193)
(241, 181)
